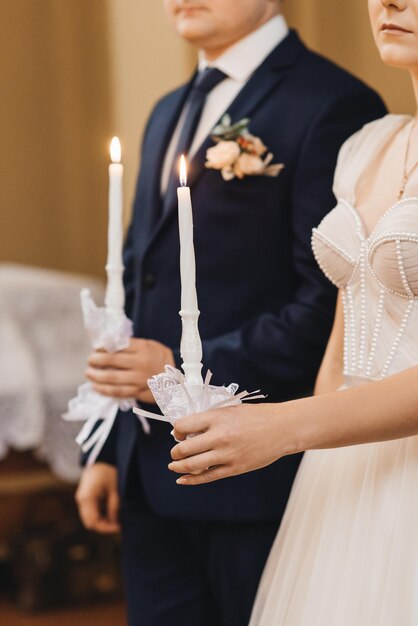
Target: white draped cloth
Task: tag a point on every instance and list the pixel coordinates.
(43, 350)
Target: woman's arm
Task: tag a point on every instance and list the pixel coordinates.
(330, 375)
(244, 438)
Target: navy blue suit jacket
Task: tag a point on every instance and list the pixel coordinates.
(266, 308)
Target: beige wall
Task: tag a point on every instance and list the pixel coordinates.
(55, 110)
(147, 60)
(340, 30)
(75, 72)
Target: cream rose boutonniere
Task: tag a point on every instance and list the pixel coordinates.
(238, 153)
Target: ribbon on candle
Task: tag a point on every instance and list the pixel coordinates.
(110, 330)
(99, 413)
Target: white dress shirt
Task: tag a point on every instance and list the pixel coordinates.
(239, 62)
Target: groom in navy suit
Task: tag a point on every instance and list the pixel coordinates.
(194, 557)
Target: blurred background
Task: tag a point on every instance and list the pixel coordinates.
(73, 74)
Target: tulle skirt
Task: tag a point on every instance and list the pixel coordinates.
(347, 551)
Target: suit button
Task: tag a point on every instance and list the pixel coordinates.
(149, 281)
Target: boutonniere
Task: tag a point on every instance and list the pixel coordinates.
(238, 153)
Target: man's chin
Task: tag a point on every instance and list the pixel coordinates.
(192, 31)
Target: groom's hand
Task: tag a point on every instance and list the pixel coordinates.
(124, 374)
(98, 499)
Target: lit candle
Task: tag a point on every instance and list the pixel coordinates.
(191, 345)
(115, 294)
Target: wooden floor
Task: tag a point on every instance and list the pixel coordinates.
(102, 615)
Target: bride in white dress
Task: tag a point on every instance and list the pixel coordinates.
(347, 550)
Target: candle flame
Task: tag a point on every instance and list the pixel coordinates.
(115, 150)
(183, 171)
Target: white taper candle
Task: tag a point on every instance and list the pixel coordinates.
(191, 345)
(115, 294)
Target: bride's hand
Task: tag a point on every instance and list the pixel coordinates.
(230, 441)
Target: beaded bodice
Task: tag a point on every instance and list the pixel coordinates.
(377, 274)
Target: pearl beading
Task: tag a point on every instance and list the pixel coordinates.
(369, 245)
(352, 326)
(376, 331)
(334, 246)
(356, 216)
(390, 237)
(410, 200)
(401, 267)
(363, 307)
(397, 238)
(320, 236)
(399, 334)
(345, 312)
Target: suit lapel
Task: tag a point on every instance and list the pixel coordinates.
(264, 80)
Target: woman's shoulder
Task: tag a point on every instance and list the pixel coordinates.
(385, 124)
(378, 128)
(371, 134)
(360, 148)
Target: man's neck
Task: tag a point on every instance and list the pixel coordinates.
(211, 54)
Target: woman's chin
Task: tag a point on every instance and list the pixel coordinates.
(397, 56)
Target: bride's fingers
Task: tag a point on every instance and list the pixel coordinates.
(208, 476)
(191, 424)
(194, 464)
(191, 446)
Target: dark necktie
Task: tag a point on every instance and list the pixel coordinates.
(204, 83)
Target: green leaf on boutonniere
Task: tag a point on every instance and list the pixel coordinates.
(225, 131)
(223, 125)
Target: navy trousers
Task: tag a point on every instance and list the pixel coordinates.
(180, 573)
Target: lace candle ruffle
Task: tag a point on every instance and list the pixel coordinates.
(110, 330)
(176, 398)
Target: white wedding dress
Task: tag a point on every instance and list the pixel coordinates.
(347, 550)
